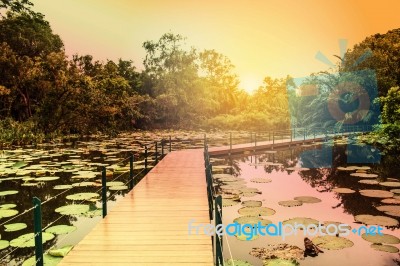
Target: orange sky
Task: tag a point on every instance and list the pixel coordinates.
(261, 37)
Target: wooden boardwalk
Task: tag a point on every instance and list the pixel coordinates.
(149, 226)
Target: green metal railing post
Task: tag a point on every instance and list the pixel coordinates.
(37, 227)
(145, 157)
(131, 170)
(170, 144)
(162, 148)
(104, 191)
(218, 239)
(156, 153)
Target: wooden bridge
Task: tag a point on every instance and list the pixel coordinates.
(149, 226)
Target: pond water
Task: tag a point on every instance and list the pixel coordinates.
(287, 183)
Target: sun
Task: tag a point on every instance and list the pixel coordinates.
(249, 83)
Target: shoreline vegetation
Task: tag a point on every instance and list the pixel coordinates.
(45, 95)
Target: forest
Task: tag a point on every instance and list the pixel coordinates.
(45, 94)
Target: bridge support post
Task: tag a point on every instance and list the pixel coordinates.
(37, 227)
(156, 152)
(131, 170)
(104, 191)
(145, 158)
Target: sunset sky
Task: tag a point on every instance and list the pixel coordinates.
(261, 37)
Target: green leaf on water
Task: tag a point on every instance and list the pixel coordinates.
(82, 196)
(14, 227)
(7, 213)
(4, 244)
(46, 178)
(118, 188)
(61, 229)
(48, 260)
(27, 240)
(8, 206)
(61, 252)
(73, 209)
(8, 192)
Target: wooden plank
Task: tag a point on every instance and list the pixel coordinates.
(149, 226)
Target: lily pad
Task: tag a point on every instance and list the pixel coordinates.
(391, 201)
(301, 221)
(114, 183)
(307, 199)
(253, 220)
(82, 196)
(290, 203)
(61, 229)
(118, 188)
(385, 248)
(7, 213)
(244, 237)
(229, 202)
(261, 180)
(47, 178)
(279, 251)
(62, 187)
(15, 227)
(8, 206)
(388, 208)
(27, 240)
(390, 184)
(280, 262)
(332, 242)
(8, 192)
(343, 190)
(73, 209)
(381, 239)
(4, 244)
(376, 193)
(249, 191)
(61, 252)
(368, 182)
(234, 262)
(376, 220)
(252, 203)
(48, 260)
(396, 190)
(364, 175)
(256, 211)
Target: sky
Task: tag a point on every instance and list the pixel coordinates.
(262, 38)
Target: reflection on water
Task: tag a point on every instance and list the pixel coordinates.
(319, 183)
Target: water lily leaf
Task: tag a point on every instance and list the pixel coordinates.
(376, 220)
(391, 201)
(229, 202)
(4, 244)
(248, 237)
(27, 184)
(15, 227)
(297, 169)
(61, 252)
(61, 229)
(73, 209)
(390, 184)
(256, 211)
(290, 203)
(7, 213)
(332, 230)
(252, 203)
(364, 175)
(62, 187)
(19, 165)
(93, 213)
(343, 190)
(307, 199)
(48, 260)
(249, 191)
(381, 239)
(47, 178)
(233, 185)
(368, 182)
(253, 220)
(8, 206)
(234, 262)
(261, 180)
(301, 221)
(27, 240)
(280, 262)
(349, 168)
(396, 190)
(279, 251)
(385, 248)
(332, 242)
(82, 196)
(376, 193)
(8, 192)
(118, 188)
(114, 183)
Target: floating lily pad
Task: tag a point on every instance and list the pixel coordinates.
(279, 251)
(233, 185)
(280, 262)
(8, 192)
(4, 244)
(114, 183)
(27, 240)
(118, 188)
(253, 220)
(332, 242)
(61, 229)
(249, 191)
(328, 229)
(390, 184)
(343, 190)
(229, 202)
(234, 262)
(7, 213)
(252, 203)
(27, 184)
(297, 169)
(8, 206)
(376, 193)
(349, 168)
(48, 260)
(19, 165)
(301, 221)
(47, 178)
(61, 252)
(396, 191)
(256, 211)
(73, 209)
(248, 237)
(261, 180)
(368, 182)
(376, 220)
(15, 227)
(381, 239)
(307, 199)
(391, 201)
(93, 213)
(290, 203)
(385, 248)
(62, 187)
(364, 175)
(393, 210)
(82, 196)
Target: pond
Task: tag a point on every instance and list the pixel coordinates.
(275, 179)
